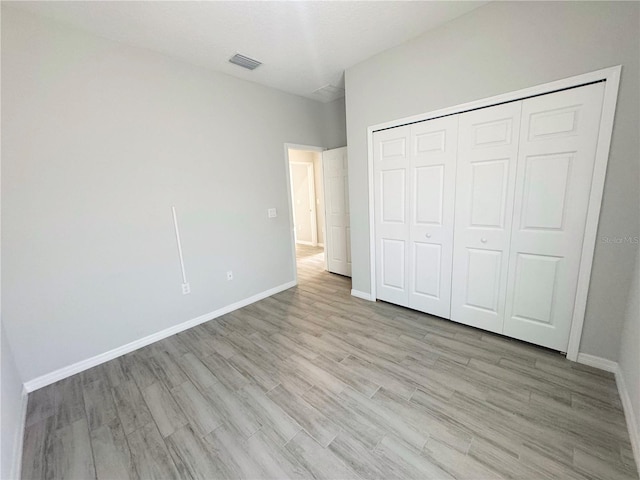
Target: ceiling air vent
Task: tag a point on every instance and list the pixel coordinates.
(328, 93)
(245, 62)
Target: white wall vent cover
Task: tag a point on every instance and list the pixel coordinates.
(245, 62)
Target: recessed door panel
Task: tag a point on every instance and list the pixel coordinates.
(492, 134)
(338, 254)
(393, 261)
(428, 265)
(395, 147)
(429, 186)
(553, 185)
(393, 192)
(336, 193)
(553, 123)
(483, 282)
(488, 191)
(430, 142)
(536, 278)
(545, 190)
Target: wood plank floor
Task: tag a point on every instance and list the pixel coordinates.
(314, 383)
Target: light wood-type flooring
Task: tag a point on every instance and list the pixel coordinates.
(314, 383)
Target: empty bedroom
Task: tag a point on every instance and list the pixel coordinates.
(318, 239)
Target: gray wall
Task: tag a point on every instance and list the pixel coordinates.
(99, 140)
(10, 410)
(630, 346)
(501, 47)
(335, 123)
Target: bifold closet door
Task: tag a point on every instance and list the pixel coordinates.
(391, 196)
(432, 170)
(485, 182)
(555, 170)
(414, 169)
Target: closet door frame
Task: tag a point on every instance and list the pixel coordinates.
(609, 75)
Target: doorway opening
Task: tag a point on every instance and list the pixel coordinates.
(307, 207)
(319, 210)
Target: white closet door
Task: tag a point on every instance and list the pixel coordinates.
(432, 172)
(555, 169)
(391, 184)
(486, 169)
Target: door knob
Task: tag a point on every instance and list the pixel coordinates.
(428, 235)
(483, 240)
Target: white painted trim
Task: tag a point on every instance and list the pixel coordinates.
(287, 147)
(363, 295)
(597, 362)
(372, 216)
(16, 461)
(78, 367)
(627, 406)
(325, 230)
(630, 417)
(612, 77)
(593, 213)
(311, 179)
(304, 242)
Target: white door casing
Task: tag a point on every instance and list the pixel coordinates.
(485, 182)
(555, 169)
(303, 194)
(432, 172)
(337, 217)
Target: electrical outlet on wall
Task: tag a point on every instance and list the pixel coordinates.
(272, 213)
(229, 275)
(186, 289)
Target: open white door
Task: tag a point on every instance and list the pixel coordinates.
(336, 200)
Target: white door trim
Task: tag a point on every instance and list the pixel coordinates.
(612, 77)
(294, 146)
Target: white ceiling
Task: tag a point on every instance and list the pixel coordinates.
(303, 45)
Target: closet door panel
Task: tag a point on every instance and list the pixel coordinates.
(391, 196)
(485, 183)
(555, 169)
(432, 169)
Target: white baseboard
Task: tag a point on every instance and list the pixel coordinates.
(598, 362)
(16, 461)
(627, 406)
(363, 295)
(78, 367)
(630, 417)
